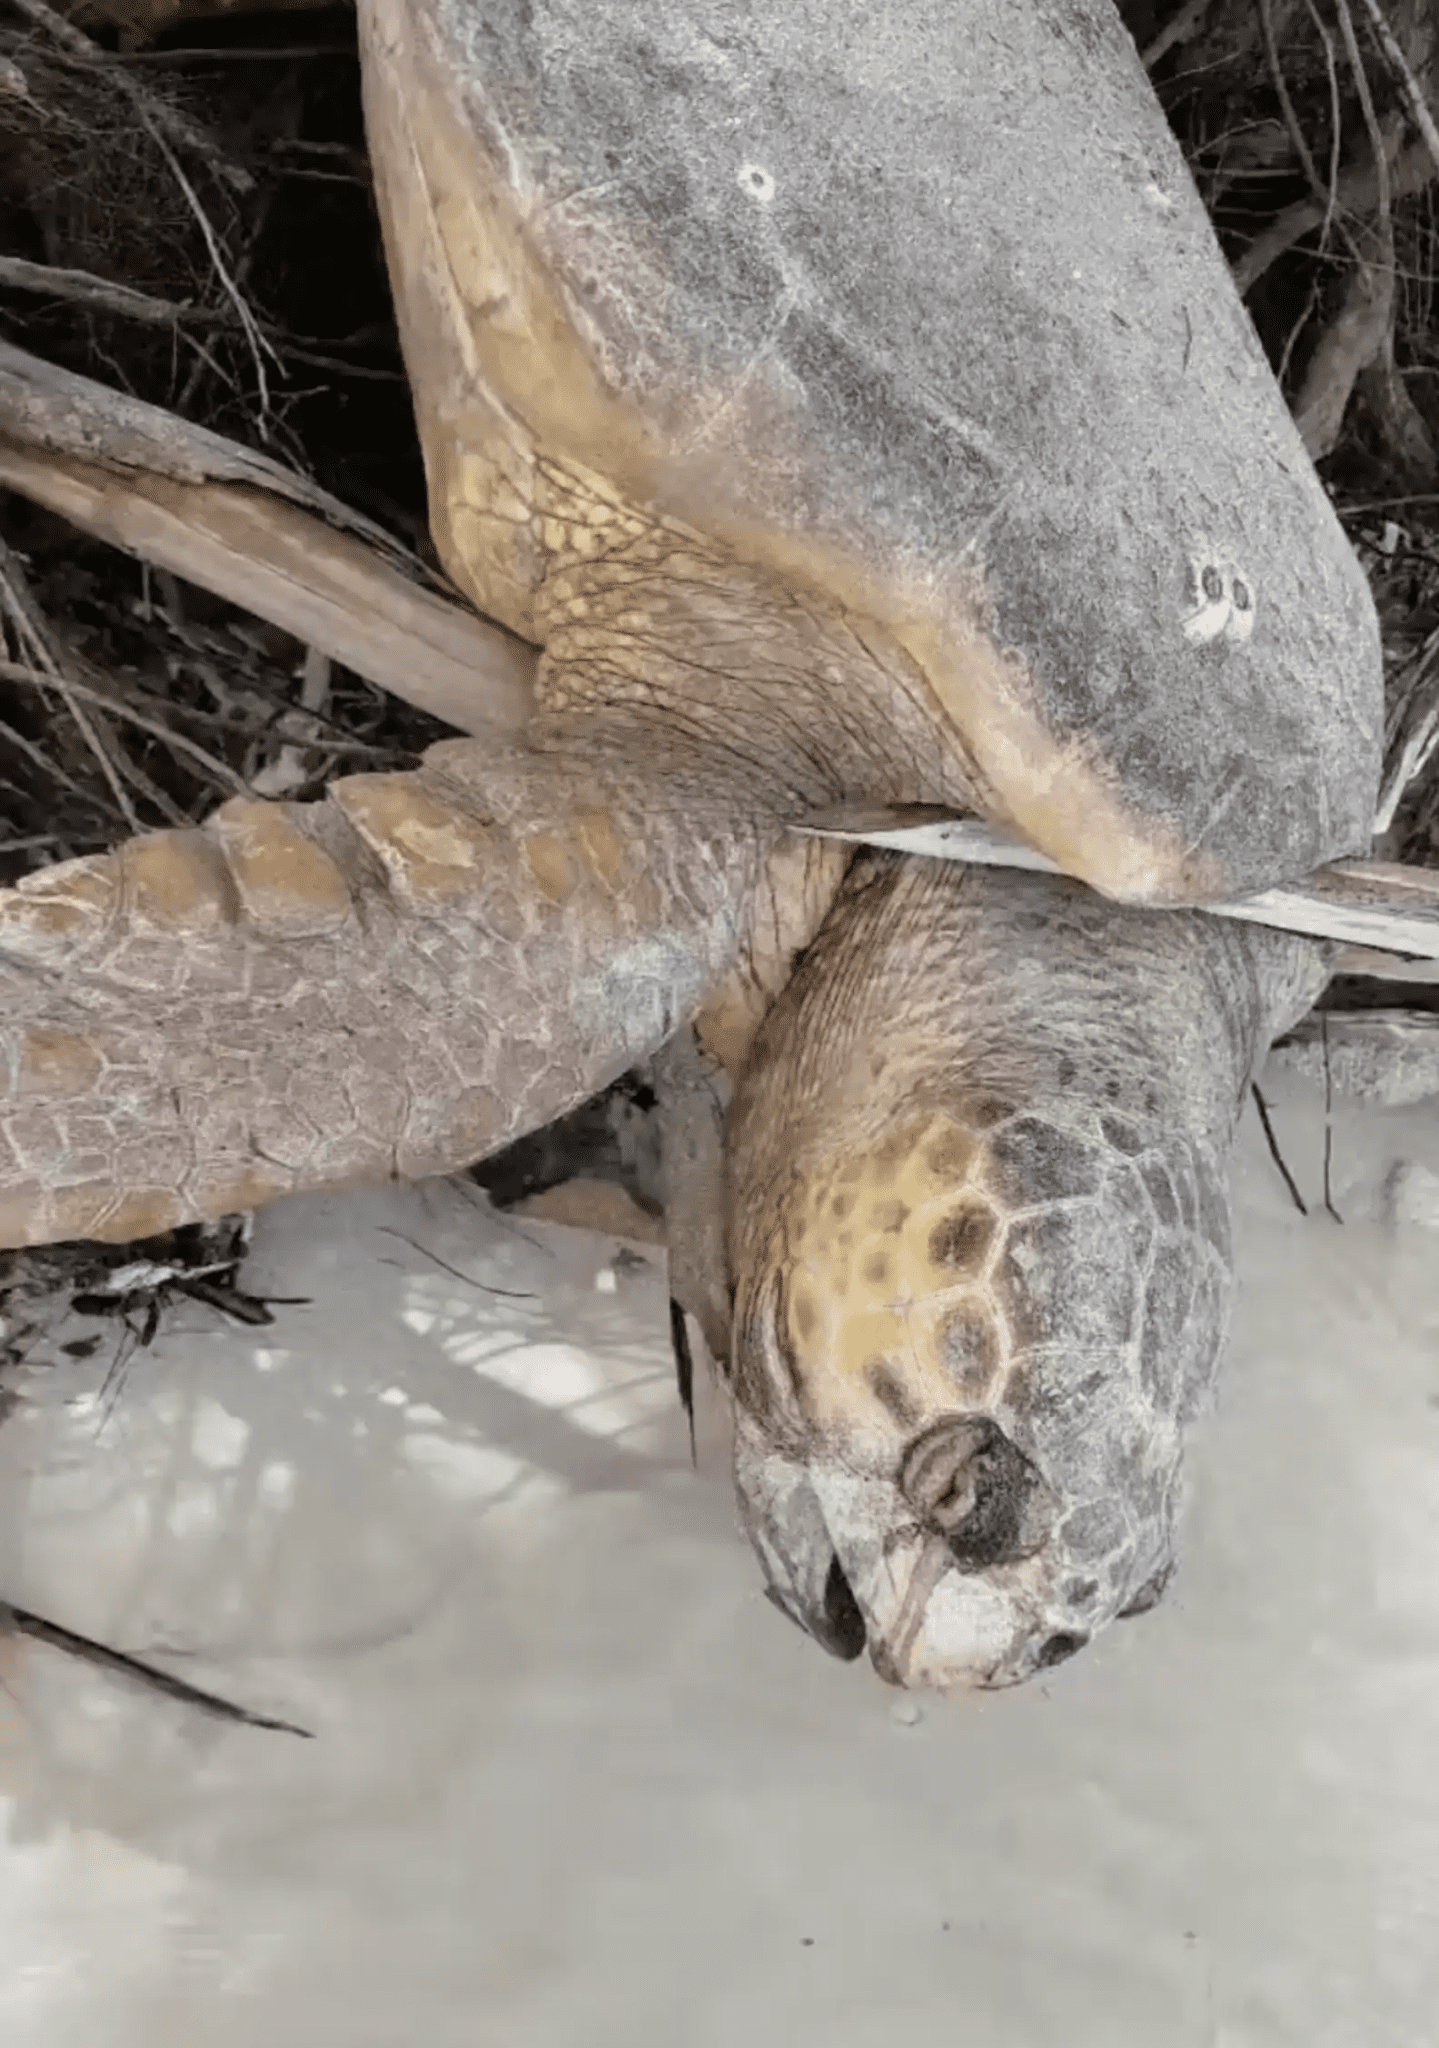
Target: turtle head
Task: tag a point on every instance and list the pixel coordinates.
(961, 1364)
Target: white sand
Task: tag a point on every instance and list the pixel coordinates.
(576, 1783)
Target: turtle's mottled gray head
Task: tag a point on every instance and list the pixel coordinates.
(962, 1376)
(980, 1241)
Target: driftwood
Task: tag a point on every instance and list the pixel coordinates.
(83, 289)
(250, 530)
(1369, 904)
(1413, 91)
(54, 410)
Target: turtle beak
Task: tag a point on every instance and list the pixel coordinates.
(784, 1521)
(847, 1558)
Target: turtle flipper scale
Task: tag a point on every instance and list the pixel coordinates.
(390, 982)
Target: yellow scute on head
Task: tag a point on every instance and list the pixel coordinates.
(892, 1245)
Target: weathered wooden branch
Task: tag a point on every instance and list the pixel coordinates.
(85, 289)
(1179, 30)
(1346, 347)
(1368, 904)
(243, 526)
(44, 407)
(328, 589)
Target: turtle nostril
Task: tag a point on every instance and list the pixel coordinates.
(977, 1490)
(1059, 1647)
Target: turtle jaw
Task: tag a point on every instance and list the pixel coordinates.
(845, 1556)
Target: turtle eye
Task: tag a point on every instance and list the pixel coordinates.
(969, 1484)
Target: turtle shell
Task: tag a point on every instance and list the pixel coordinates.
(914, 307)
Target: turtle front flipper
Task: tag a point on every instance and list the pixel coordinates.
(387, 983)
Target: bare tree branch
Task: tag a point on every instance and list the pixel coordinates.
(33, 631)
(157, 113)
(1357, 194)
(1178, 30)
(215, 770)
(85, 289)
(1413, 91)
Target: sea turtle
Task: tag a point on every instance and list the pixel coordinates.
(854, 405)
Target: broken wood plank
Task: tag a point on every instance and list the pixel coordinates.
(1372, 904)
(239, 524)
(330, 589)
(44, 407)
(1364, 962)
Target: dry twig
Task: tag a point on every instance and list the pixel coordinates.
(1177, 30)
(34, 634)
(1371, 122)
(52, 769)
(1274, 1152)
(1399, 64)
(85, 289)
(156, 113)
(259, 347)
(172, 60)
(1413, 732)
(1286, 105)
(1356, 193)
(1336, 121)
(215, 770)
(22, 1622)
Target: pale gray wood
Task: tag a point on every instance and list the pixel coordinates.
(1365, 903)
